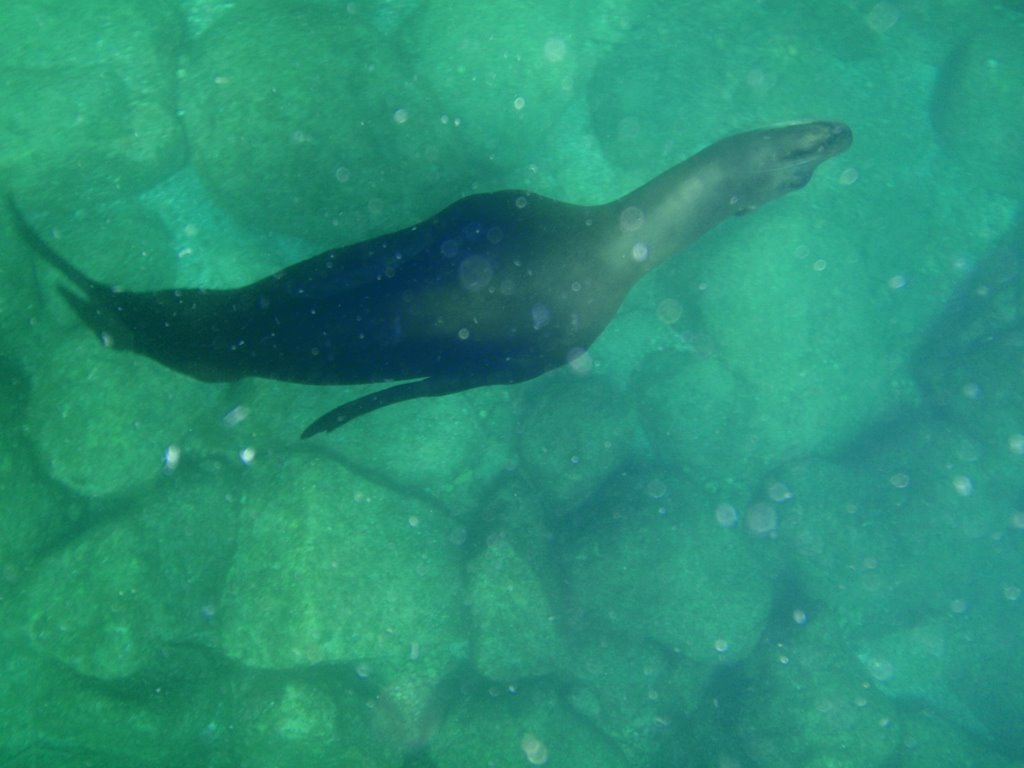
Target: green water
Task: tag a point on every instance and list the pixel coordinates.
(775, 518)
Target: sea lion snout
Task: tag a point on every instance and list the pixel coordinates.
(766, 164)
(802, 143)
(829, 139)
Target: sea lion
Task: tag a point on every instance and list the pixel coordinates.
(495, 289)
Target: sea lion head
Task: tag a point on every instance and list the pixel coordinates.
(768, 163)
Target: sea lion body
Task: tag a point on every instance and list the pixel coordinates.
(496, 288)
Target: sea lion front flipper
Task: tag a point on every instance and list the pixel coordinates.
(429, 387)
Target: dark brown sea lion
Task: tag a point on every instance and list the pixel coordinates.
(495, 289)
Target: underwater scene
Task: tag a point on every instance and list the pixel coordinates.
(451, 384)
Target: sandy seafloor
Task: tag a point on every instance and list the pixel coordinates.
(776, 521)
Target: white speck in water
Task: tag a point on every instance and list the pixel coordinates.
(171, 457)
(963, 485)
(247, 455)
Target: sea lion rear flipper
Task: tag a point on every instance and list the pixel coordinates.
(429, 387)
(97, 308)
(49, 254)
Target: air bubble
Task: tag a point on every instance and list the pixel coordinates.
(656, 489)
(669, 311)
(580, 361)
(475, 273)
(535, 750)
(880, 669)
(236, 416)
(540, 315)
(899, 480)
(726, 515)
(631, 219)
(882, 17)
(554, 49)
(849, 177)
(762, 519)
